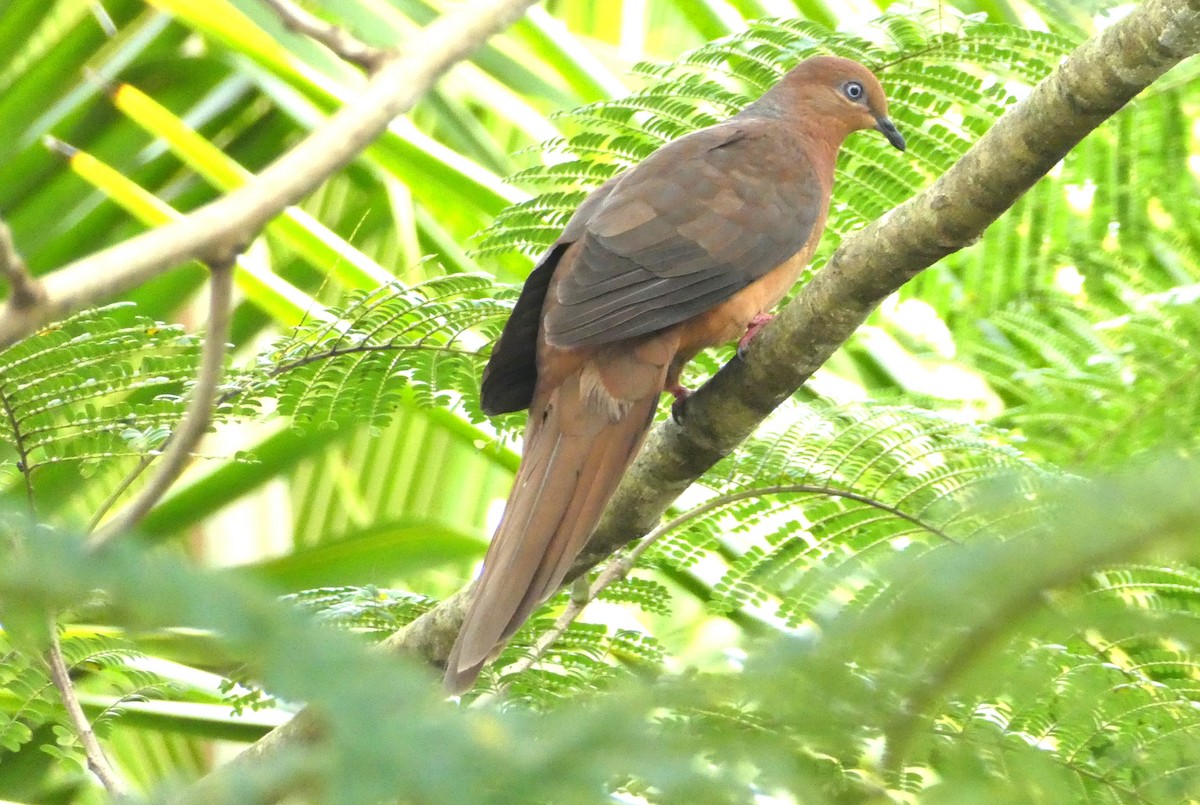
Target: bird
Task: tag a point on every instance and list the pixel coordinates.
(688, 249)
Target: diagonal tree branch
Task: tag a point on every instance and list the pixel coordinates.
(217, 231)
(1092, 84)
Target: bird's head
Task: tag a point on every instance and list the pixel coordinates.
(841, 91)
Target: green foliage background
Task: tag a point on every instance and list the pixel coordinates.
(901, 589)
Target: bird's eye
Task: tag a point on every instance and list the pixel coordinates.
(854, 90)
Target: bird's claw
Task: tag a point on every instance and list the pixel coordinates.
(681, 395)
(757, 323)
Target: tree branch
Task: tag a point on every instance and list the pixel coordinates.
(197, 417)
(217, 231)
(24, 290)
(1091, 85)
(347, 47)
(96, 759)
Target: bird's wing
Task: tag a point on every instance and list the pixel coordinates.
(687, 228)
(511, 373)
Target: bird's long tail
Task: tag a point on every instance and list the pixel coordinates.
(572, 464)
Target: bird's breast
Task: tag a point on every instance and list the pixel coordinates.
(728, 320)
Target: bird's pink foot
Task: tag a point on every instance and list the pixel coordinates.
(681, 394)
(757, 323)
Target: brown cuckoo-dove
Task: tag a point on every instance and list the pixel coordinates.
(686, 250)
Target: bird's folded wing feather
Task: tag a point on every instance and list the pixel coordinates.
(696, 222)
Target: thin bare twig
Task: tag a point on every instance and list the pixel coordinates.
(197, 417)
(340, 41)
(116, 494)
(24, 289)
(215, 232)
(103, 18)
(96, 759)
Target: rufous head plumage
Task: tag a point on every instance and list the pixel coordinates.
(841, 91)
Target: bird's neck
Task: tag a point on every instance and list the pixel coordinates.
(822, 139)
(821, 135)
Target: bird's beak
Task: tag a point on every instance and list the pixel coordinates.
(889, 130)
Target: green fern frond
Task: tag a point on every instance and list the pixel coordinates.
(816, 502)
(33, 700)
(94, 388)
(369, 609)
(1094, 383)
(1172, 588)
(1092, 714)
(587, 657)
(99, 663)
(647, 594)
(423, 341)
(1121, 211)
